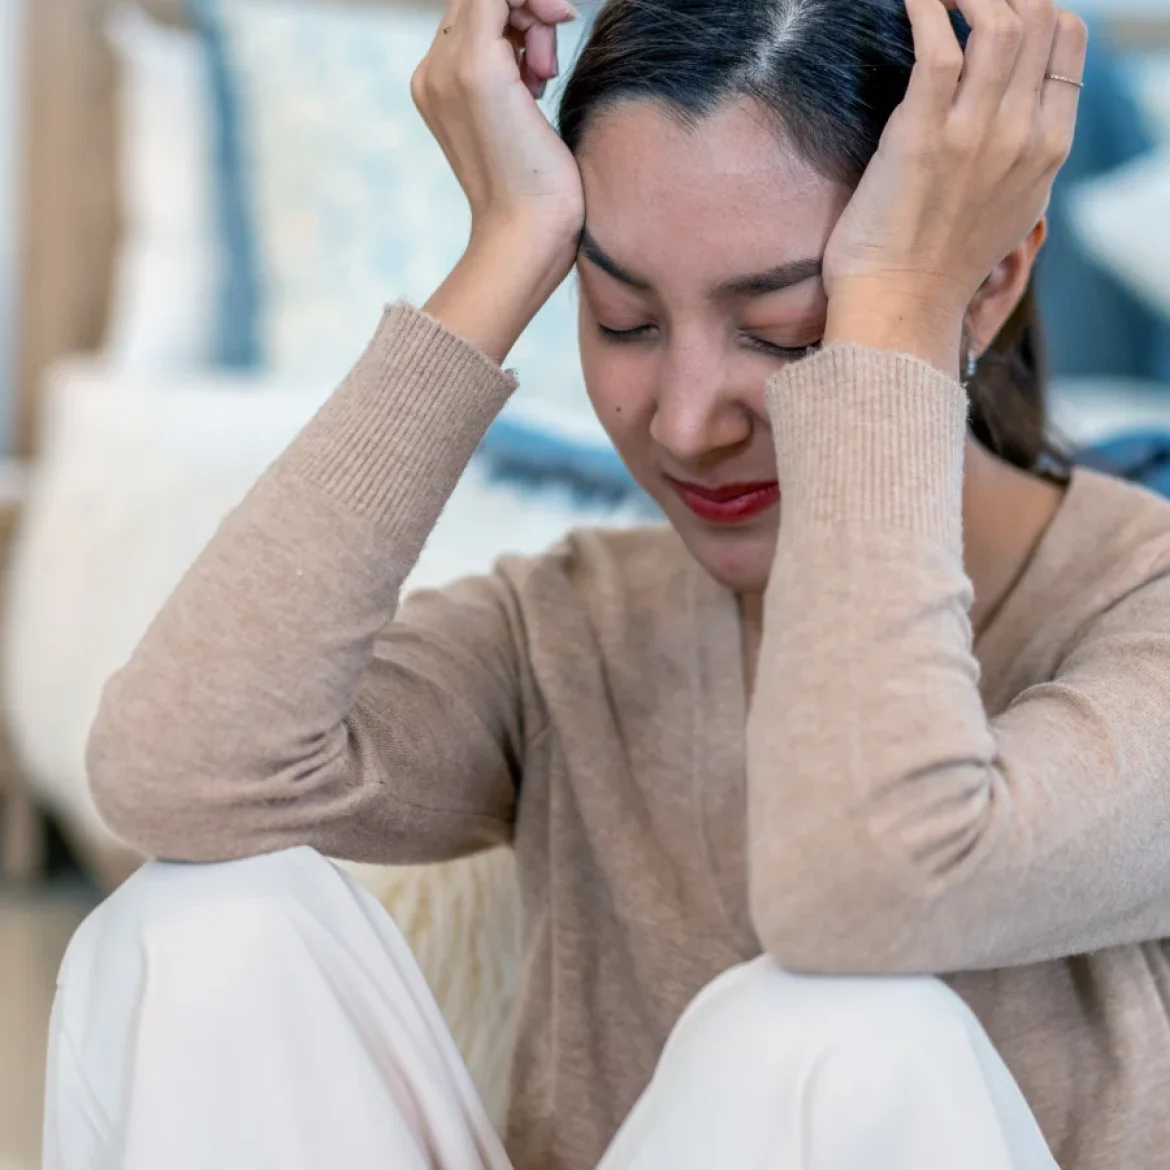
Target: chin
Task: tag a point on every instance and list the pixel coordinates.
(739, 558)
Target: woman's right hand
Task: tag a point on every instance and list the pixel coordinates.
(477, 90)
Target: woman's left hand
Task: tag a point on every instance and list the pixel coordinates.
(964, 170)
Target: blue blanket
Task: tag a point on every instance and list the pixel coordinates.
(1142, 457)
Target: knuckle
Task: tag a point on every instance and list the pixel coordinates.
(468, 75)
(963, 137)
(1006, 28)
(418, 81)
(1055, 147)
(945, 61)
(1015, 143)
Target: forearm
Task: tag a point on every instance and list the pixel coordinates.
(504, 278)
(924, 321)
(868, 739)
(236, 700)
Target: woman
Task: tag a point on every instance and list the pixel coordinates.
(958, 666)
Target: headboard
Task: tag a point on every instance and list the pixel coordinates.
(70, 219)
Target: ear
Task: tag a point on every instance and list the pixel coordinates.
(1003, 290)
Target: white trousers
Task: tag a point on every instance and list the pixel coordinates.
(267, 1015)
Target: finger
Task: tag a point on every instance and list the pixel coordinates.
(535, 84)
(547, 11)
(997, 34)
(540, 42)
(517, 40)
(1039, 19)
(1060, 100)
(540, 51)
(1067, 59)
(938, 62)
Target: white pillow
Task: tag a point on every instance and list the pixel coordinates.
(1123, 220)
(168, 270)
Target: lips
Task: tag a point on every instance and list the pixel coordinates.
(729, 504)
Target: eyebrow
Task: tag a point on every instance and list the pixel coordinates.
(756, 285)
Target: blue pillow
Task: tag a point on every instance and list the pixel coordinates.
(524, 453)
(237, 344)
(1142, 457)
(1092, 324)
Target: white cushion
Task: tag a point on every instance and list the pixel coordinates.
(168, 270)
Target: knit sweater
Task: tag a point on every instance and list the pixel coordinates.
(903, 800)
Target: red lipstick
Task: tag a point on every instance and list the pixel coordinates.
(730, 504)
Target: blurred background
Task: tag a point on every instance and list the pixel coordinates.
(203, 206)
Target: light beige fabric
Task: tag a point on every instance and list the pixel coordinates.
(346, 1062)
(904, 801)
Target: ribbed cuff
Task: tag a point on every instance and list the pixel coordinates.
(872, 438)
(405, 422)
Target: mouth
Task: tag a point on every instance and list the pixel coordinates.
(732, 504)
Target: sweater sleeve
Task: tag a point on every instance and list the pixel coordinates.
(277, 700)
(894, 827)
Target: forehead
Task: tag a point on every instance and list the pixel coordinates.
(728, 186)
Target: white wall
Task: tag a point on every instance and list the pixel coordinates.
(10, 13)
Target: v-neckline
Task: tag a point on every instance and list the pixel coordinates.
(719, 773)
(1000, 640)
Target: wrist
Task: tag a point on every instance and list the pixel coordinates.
(501, 283)
(923, 323)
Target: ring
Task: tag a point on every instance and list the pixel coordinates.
(1066, 80)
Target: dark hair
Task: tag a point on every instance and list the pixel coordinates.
(832, 72)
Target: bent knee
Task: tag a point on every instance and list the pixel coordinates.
(163, 894)
(759, 1006)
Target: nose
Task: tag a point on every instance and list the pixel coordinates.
(698, 413)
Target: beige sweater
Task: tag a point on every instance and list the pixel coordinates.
(902, 801)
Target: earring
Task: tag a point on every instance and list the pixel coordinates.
(971, 367)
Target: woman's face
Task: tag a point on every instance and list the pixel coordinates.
(700, 278)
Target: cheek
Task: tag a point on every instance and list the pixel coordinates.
(620, 381)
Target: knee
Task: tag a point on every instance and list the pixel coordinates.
(760, 1008)
(165, 899)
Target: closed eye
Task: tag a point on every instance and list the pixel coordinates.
(788, 353)
(619, 335)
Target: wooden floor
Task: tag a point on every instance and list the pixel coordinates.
(34, 930)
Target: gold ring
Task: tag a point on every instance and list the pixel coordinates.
(1066, 80)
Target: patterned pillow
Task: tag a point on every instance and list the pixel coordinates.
(350, 203)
